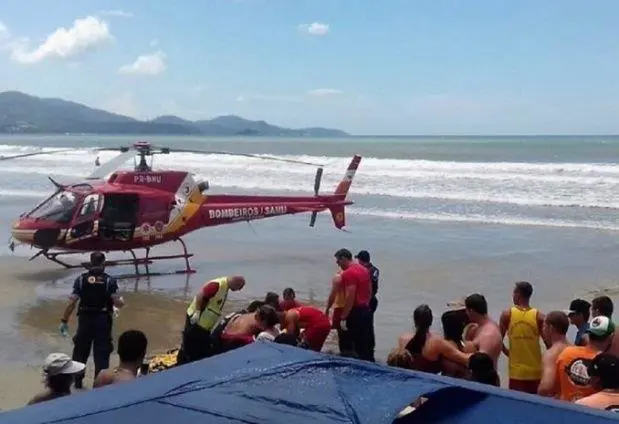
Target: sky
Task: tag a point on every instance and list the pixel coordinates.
(390, 67)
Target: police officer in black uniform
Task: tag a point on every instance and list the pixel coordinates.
(363, 257)
(97, 293)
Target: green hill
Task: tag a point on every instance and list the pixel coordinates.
(21, 113)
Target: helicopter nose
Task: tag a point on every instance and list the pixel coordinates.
(21, 234)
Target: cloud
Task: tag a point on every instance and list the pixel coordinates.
(123, 104)
(315, 28)
(154, 42)
(324, 92)
(85, 34)
(116, 12)
(146, 64)
(4, 32)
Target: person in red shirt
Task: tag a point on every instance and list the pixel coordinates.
(316, 324)
(356, 315)
(289, 301)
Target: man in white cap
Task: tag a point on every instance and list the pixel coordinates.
(59, 370)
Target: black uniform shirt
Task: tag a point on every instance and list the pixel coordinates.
(95, 291)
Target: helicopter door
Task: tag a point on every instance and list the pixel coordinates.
(86, 222)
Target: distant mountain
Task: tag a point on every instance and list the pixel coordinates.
(22, 113)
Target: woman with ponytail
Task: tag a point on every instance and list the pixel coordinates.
(426, 348)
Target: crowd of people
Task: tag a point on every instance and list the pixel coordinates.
(585, 371)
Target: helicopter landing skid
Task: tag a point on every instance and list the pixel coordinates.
(135, 261)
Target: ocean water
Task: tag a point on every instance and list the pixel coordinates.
(442, 217)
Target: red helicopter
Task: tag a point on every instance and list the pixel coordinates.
(142, 208)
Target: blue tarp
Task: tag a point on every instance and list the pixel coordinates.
(271, 383)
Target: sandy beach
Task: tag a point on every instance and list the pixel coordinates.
(442, 219)
(30, 319)
(29, 325)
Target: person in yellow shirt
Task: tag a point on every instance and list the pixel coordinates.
(523, 326)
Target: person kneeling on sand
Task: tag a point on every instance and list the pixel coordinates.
(315, 323)
(59, 371)
(132, 346)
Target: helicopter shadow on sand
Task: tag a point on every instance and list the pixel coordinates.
(58, 283)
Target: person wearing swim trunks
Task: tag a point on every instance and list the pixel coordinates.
(555, 329)
(315, 323)
(523, 326)
(574, 362)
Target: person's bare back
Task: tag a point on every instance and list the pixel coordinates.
(244, 324)
(548, 383)
(488, 340)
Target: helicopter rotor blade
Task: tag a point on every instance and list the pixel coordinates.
(24, 155)
(110, 166)
(249, 155)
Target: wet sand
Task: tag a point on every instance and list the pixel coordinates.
(33, 296)
(29, 324)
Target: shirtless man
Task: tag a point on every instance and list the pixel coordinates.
(555, 328)
(487, 336)
(132, 346)
(242, 329)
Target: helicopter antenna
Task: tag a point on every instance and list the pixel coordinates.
(252, 227)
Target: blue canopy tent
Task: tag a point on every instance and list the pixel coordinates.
(271, 383)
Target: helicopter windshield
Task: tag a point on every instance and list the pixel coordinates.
(60, 207)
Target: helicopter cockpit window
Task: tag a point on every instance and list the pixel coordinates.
(90, 205)
(59, 207)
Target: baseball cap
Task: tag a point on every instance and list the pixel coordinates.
(578, 306)
(456, 305)
(59, 363)
(601, 327)
(363, 256)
